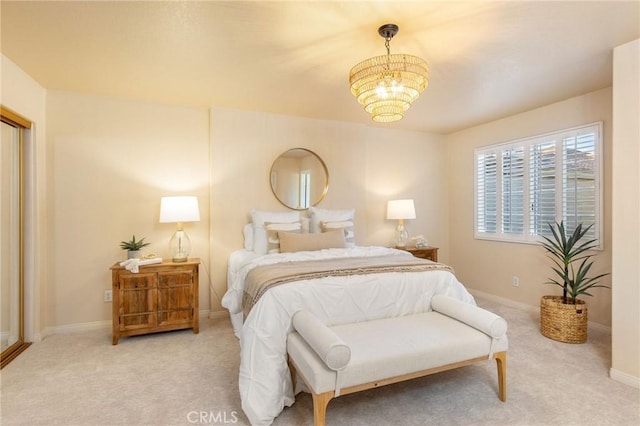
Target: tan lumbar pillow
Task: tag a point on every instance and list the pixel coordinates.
(290, 242)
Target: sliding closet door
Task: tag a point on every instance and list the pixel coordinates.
(11, 236)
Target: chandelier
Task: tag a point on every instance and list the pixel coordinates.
(387, 85)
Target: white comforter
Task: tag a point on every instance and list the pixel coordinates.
(264, 382)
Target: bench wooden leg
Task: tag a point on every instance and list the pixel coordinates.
(292, 371)
(501, 363)
(320, 402)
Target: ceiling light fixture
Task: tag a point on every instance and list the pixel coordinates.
(387, 85)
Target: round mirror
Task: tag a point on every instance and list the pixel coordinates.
(299, 178)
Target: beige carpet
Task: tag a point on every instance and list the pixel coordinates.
(179, 378)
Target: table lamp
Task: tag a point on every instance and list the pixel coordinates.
(401, 210)
(179, 210)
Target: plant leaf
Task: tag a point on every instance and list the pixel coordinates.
(567, 251)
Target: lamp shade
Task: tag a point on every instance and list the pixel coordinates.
(179, 209)
(401, 209)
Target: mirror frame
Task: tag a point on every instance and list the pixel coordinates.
(311, 202)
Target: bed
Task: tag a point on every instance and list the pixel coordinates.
(337, 298)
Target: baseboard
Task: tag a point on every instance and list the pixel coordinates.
(528, 308)
(88, 326)
(503, 301)
(624, 378)
(219, 314)
(75, 328)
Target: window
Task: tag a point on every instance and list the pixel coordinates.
(522, 186)
(305, 188)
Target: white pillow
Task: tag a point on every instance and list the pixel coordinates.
(259, 217)
(305, 222)
(276, 229)
(346, 226)
(247, 232)
(326, 215)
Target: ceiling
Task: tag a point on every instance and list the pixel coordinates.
(487, 59)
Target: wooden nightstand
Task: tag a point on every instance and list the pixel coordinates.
(160, 297)
(429, 253)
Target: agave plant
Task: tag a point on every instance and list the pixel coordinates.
(566, 252)
(132, 244)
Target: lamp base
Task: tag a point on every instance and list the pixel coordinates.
(402, 236)
(180, 246)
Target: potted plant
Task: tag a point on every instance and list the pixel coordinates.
(564, 318)
(133, 247)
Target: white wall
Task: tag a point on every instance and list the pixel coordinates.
(95, 176)
(489, 266)
(110, 162)
(106, 163)
(626, 214)
(367, 167)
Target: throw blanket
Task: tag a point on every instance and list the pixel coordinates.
(262, 278)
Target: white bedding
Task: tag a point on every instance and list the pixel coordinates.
(264, 381)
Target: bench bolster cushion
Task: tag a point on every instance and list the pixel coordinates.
(324, 341)
(478, 318)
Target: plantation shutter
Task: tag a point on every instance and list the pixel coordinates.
(523, 186)
(487, 192)
(513, 190)
(542, 187)
(579, 187)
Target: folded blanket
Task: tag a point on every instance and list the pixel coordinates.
(133, 265)
(262, 278)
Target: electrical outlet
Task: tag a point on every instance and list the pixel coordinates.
(515, 281)
(108, 295)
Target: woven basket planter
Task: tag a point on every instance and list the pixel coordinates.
(563, 322)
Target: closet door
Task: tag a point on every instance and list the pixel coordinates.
(11, 236)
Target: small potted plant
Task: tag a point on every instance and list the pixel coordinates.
(133, 247)
(564, 318)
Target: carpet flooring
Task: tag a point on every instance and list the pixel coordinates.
(179, 378)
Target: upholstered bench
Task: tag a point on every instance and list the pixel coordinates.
(348, 358)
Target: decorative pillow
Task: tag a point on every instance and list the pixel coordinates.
(326, 215)
(273, 229)
(346, 226)
(290, 242)
(306, 222)
(259, 217)
(247, 232)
